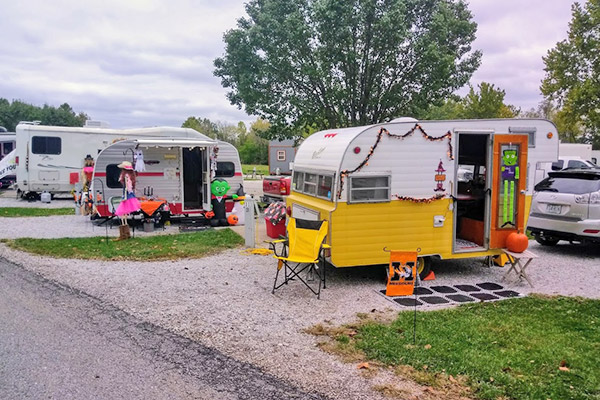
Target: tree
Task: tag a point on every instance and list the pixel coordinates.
(254, 148)
(487, 102)
(316, 64)
(568, 130)
(573, 70)
(13, 113)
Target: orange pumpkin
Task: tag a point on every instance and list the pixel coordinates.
(232, 219)
(517, 242)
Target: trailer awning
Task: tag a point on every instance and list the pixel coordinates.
(174, 142)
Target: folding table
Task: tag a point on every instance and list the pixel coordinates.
(519, 263)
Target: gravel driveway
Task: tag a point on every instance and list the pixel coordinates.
(225, 301)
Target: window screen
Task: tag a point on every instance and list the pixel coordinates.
(225, 169)
(369, 189)
(45, 145)
(112, 176)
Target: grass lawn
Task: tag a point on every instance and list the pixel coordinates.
(260, 169)
(34, 212)
(161, 247)
(529, 348)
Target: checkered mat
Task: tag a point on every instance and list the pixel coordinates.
(434, 295)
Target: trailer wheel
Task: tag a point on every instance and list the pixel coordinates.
(423, 266)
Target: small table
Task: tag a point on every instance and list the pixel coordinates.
(519, 263)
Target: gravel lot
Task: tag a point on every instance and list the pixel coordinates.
(225, 301)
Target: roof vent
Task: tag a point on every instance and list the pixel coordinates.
(96, 124)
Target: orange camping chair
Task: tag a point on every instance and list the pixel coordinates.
(302, 252)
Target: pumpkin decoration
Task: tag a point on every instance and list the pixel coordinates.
(517, 242)
(232, 219)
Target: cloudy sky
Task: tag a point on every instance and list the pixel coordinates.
(149, 62)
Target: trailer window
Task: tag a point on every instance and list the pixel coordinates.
(298, 183)
(310, 183)
(225, 169)
(369, 189)
(45, 145)
(318, 185)
(324, 188)
(7, 148)
(280, 155)
(112, 176)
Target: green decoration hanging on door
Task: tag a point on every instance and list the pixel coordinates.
(510, 176)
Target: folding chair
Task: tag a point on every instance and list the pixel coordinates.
(302, 252)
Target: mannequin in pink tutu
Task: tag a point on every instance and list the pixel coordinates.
(130, 203)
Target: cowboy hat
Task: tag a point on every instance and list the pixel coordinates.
(126, 165)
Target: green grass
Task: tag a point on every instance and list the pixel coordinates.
(260, 169)
(509, 349)
(161, 247)
(34, 212)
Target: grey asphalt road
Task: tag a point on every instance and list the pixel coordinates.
(60, 343)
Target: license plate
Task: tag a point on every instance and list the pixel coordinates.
(553, 208)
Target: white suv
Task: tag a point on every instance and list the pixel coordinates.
(573, 163)
(566, 206)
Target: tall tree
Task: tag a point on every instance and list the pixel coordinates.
(13, 113)
(306, 64)
(573, 70)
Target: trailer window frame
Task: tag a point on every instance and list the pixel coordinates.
(227, 172)
(301, 185)
(351, 189)
(113, 173)
(46, 145)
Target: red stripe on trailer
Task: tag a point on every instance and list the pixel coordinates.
(103, 174)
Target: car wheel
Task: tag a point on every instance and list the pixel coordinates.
(546, 241)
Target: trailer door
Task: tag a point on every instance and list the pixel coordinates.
(194, 194)
(508, 187)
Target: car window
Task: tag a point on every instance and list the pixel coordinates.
(568, 185)
(557, 165)
(577, 164)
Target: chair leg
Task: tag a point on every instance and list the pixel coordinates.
(324, 274)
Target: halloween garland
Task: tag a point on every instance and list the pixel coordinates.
(447, 135)
(428, 200)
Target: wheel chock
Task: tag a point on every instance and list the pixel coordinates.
(430, 277)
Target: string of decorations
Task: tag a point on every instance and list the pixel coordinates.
(428, 200)
(365, 162)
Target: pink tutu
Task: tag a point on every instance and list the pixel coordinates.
(128, 206)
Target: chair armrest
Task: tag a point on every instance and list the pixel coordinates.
(273, 244)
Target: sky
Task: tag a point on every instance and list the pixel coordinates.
(139, 63)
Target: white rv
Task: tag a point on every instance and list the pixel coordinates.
(452, 189)
(50, 158)
(176, 172)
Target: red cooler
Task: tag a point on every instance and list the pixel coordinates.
(274, 231)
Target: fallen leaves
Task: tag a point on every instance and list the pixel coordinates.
(363, 365)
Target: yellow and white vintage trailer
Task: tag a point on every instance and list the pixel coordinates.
(453, 189)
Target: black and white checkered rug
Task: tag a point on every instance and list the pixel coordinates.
(440, 294)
